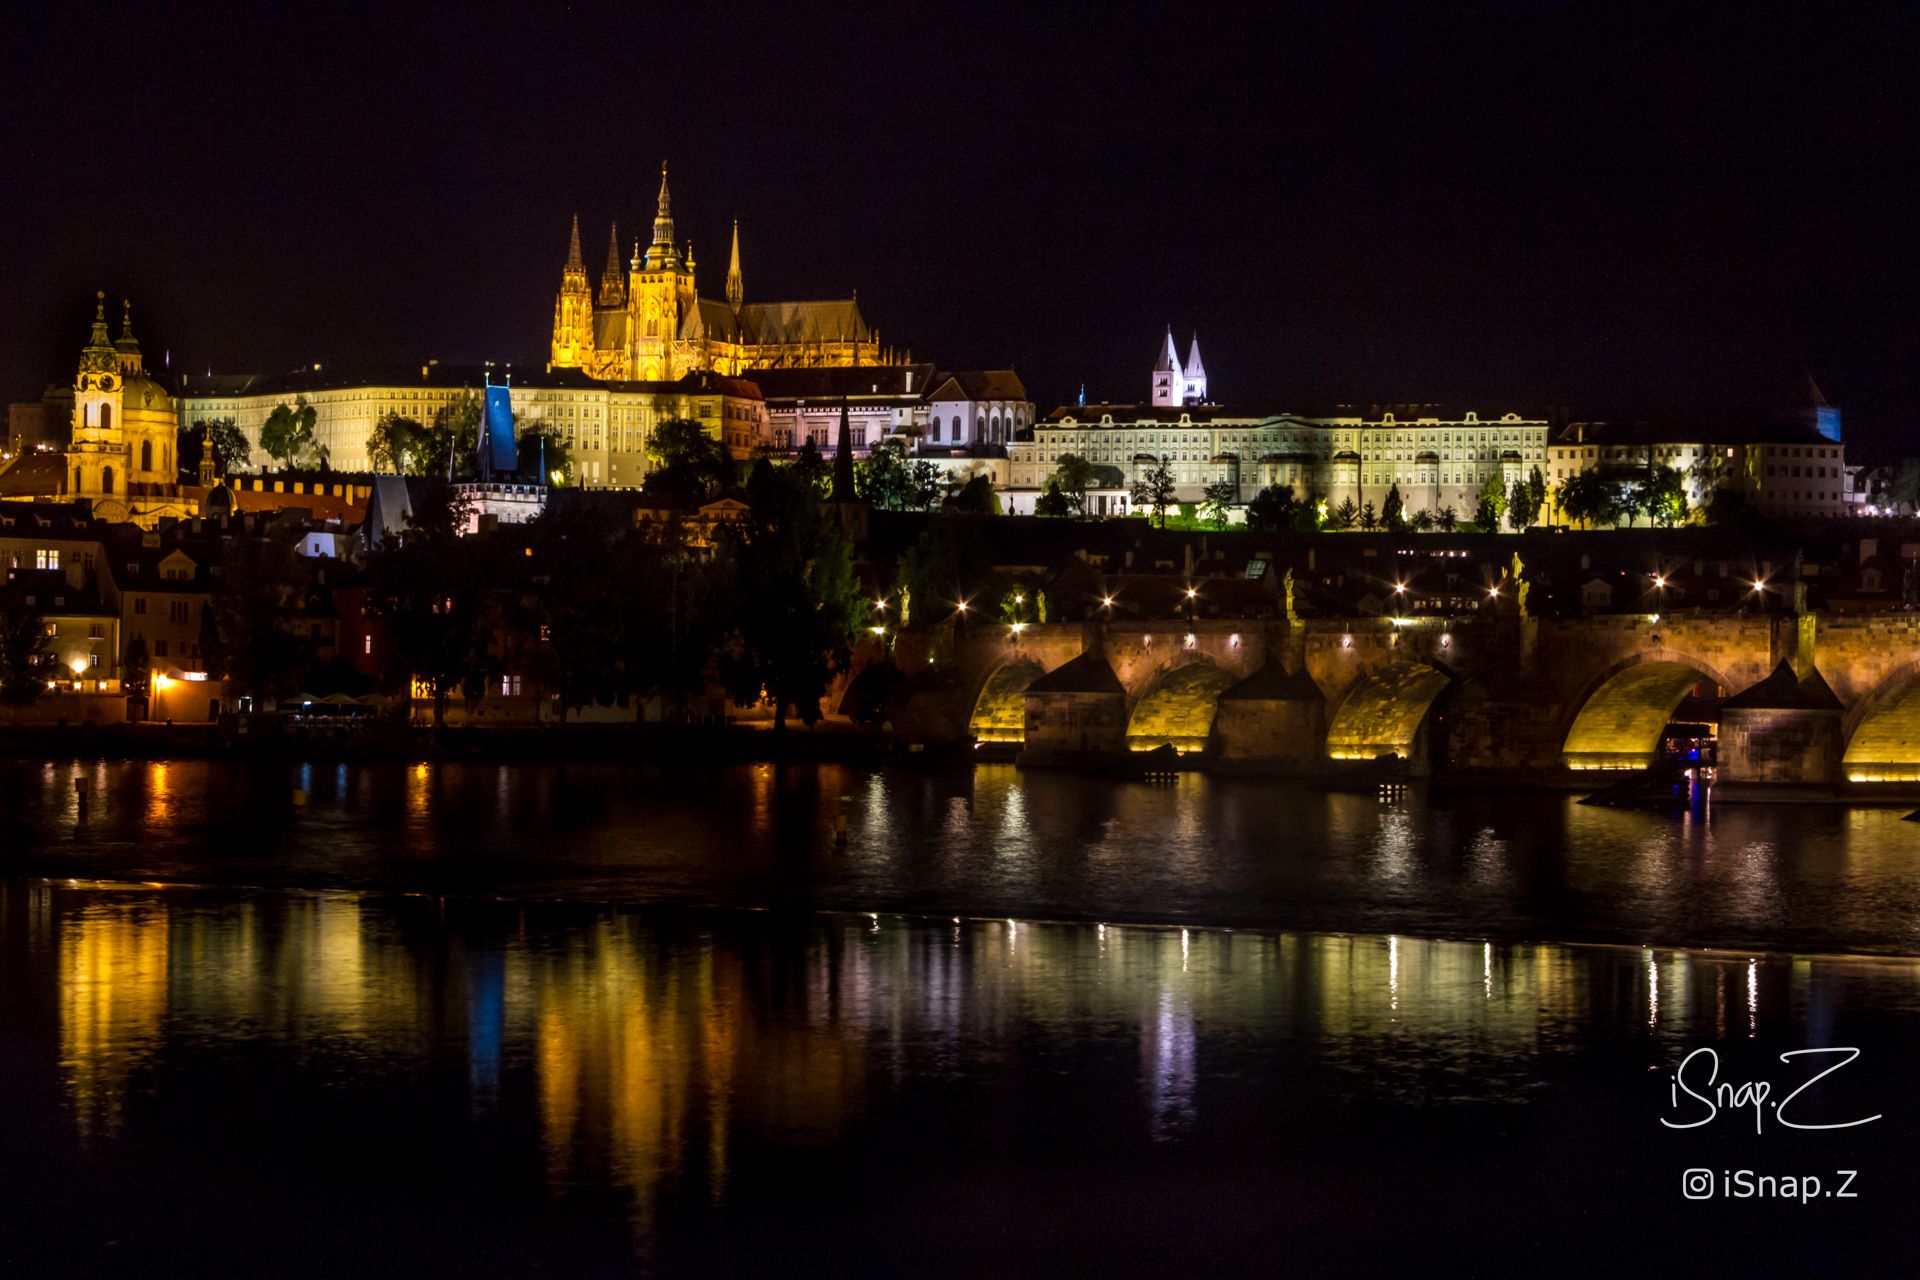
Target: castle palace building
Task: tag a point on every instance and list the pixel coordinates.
(650, 324)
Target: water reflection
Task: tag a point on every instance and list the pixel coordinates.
(642, 1056)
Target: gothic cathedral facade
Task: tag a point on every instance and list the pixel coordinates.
(649, 323)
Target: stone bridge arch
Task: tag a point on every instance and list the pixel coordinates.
(1882, 731)
(1615, 720)
(999, 705)
(1178, 707)
(1385, 710)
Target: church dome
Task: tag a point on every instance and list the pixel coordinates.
(142, 394)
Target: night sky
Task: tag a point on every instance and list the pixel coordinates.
(1664, 211)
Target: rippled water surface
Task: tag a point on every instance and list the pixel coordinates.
(994, 841)
(955, 1046)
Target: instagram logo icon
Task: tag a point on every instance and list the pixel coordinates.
(1697, 1184)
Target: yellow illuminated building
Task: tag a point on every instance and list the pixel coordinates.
(121, 459)
(650, 324)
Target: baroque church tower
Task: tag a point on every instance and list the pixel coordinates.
(124, 427)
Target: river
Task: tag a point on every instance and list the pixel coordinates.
(581, 1020)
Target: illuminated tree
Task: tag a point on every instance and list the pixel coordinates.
(1075, 475)
(1273, 508)
(1053, 502)
(287, 435)
(399, 445)
(1154, 491)
(1344, 516)
(1215, 499)
(1392, 514)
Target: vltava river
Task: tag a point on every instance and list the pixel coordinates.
(475, 1062)
(992, 841)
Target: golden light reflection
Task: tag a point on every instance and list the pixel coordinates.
(113, 1004)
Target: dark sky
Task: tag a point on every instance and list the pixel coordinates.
(1673, 209)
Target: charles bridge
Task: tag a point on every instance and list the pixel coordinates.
(1497, 691)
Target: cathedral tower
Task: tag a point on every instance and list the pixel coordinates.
(613, 281)
(573, 310)
(736, 288)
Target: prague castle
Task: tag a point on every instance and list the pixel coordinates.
(650, 324)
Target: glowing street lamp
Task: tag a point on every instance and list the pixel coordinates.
(1106, 602)
(1018, 627)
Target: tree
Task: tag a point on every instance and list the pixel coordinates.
(1215, 499)
(23, 655)
(1537, 491)
(1421, 522)
(1273, 508)
(454, 439)
(262, 579)
(795, 601)
(1053, 502)
(1448, 519)
(584, 590)
(1368, 520)
(1585, 497)
(1075, 475)
(1520, 508)
(952, 564)
(687, 461)
(1729, 508)
(1154, 491)
(884, 477)
(1493, 497)
(430, 586)
(541, 446)
(1905, 489)
(287, 435)
(975, 497)
(1392, 514)
(224, 436)
(136, 669)
(399, 445)
(1664, 497)
(1344, 516)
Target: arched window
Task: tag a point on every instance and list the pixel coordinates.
(106, 417)
(993, 430)
(146, 455)
(106, 479)
(956, 427)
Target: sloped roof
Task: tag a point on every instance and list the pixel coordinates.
(850, 381)
(35, 475)
(833, 320)
(980, 384)
(1087, 673)
(1785, 691)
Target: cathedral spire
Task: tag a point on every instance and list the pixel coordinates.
(736, 288)
(663, 254)
(613, 281)
(574, 261)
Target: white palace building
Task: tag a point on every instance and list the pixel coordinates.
(1438, 457)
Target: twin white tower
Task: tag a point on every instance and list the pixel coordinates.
(1174, 383)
